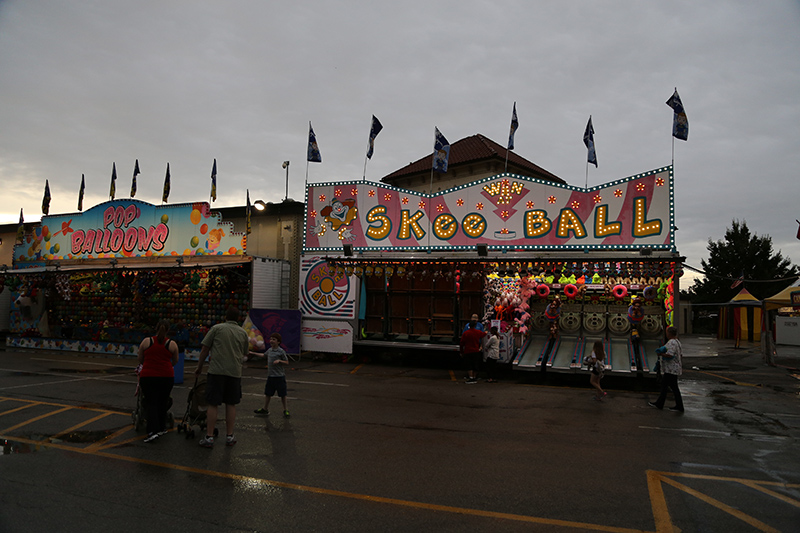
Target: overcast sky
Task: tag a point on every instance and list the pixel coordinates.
(84, 84)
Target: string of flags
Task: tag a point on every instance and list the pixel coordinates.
(441, 155)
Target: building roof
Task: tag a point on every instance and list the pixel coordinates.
(471, 150)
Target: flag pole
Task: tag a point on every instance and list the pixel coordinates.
(364, 177)
(673, 153)
(306, 173)
(430, 190)
(586, 185)
(505, 168)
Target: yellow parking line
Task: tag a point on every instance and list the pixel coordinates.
(744, 384)
(734, 479)
(778, 495)
(356, 368)
(758, 524)
(452, 375)
(31, 420)
(18, 409)
(343, 494)
(99, 444)
(658, 502)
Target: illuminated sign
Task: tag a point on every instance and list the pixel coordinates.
(131, 228)
(505, 211)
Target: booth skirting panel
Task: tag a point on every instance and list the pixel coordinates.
(88, 347)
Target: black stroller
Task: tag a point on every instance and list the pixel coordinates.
(196, 407)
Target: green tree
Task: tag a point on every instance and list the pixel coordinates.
(739, 254)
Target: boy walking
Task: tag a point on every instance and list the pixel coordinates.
(276, 376)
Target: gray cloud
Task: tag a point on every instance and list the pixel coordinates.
(87, 83)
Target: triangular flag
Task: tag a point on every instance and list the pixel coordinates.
(373, 132)
(80, 193)
(113, 190)
(46, 198)
(588, 140)
(165, 194)
(214, 181)
(441, 152)
(514, 127)
(133, 183)
(680, 124)
(21, 228)
(247, 214)
(313, 150)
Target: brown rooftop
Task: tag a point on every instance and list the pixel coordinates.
(470, 150)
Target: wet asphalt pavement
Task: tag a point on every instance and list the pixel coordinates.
(390, 447)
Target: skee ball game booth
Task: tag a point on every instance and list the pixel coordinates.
(390, 268)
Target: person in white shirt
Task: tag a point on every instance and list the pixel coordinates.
(671, 356)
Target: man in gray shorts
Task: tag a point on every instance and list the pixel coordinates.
(229, 344)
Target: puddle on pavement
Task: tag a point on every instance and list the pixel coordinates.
(83, 437)
(10, 447)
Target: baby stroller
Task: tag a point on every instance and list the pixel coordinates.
(139, 414)
(196, 407)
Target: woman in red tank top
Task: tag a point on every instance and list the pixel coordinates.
(157, 355)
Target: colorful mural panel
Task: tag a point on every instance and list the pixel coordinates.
(131, 228)
(326, 291)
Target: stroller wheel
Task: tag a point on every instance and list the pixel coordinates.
(190, 434)
(180, 428)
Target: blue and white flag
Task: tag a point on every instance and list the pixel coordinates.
(373, 132)
(514, 126)
(313, 150)
(680, 124)
(441, 152)
(588, 140)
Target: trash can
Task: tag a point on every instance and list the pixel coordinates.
(179, 368)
